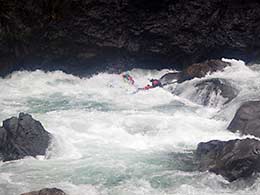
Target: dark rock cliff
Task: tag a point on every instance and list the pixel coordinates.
(86, 36)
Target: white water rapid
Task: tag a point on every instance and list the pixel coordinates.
(110, 141)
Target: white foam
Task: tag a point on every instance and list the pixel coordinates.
(108, 140)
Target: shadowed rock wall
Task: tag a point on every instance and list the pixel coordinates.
(86, 36)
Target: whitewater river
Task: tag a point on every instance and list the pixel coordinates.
(111, 141)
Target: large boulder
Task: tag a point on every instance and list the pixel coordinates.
(46, 191)
(22, 136)
(232, 159)
(200, 70)
(247, 119)
(197, 70)
(212, 92)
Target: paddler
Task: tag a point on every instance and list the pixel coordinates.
(155, 83)
(129, 78)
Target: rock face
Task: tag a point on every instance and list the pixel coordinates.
(247, 119)
(208, 92)
(22, 137)
(200, 70)
(46, 191)
(82, 36)
(232, 159)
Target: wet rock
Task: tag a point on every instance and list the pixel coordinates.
(200, 70)
(46, 191)
(22, 136)
(197, 70)
(213, 92)
(170, 78)
(247, 119)
(232, 159)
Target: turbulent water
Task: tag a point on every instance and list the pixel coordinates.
(111, 141)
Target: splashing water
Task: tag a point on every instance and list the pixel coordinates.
(111, 141)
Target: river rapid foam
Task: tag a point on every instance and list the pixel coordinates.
(111, 141)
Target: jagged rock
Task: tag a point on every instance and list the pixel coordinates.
(22, 136)
(213, 92)
(82, 36)
(200, 70)
(46, 191)
(247, 119)
(232, 159)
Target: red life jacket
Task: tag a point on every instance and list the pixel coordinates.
(131, 80)
(128, 78)
(156, 83)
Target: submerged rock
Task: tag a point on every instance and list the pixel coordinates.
(247, 119)
(232, 159)
(208, 92)
(22, 136)
(46, 191)
(200, 70)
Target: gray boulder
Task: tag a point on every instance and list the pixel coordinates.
(232, 159)
(22, 136)
(247, 119)
(208, 92)
(46, 191)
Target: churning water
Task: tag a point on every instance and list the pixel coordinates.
(111, 141)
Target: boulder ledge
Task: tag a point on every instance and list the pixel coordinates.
(200, 70)
(232, 159)
(197, 70)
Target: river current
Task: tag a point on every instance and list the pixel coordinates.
(109, 140)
